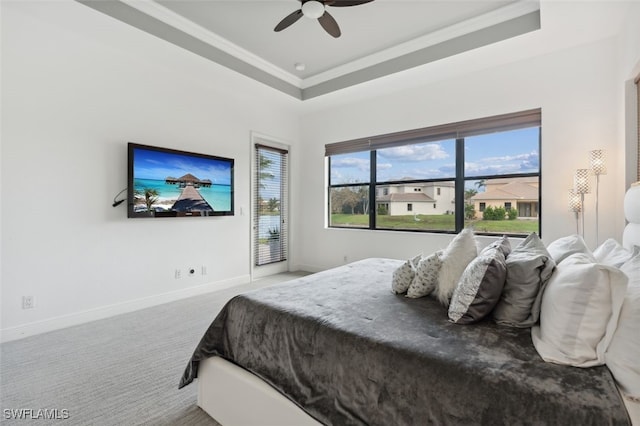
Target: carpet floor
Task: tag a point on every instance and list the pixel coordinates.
(122, 370)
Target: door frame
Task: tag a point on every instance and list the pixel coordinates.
(279, 267)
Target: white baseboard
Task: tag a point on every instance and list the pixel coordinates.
(76, 318)
(310, 268)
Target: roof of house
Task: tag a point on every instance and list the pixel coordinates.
(445, 183)
(414, 197)
(510, 191)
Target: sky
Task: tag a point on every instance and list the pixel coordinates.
(515, 151)
(151, 164)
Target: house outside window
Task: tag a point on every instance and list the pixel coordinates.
(482, 167)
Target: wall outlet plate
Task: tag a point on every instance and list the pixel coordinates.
(28, 302)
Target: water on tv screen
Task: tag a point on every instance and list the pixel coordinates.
(171, 183)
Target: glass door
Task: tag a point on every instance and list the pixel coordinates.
(270, 210)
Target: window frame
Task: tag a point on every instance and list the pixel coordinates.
(482, 126)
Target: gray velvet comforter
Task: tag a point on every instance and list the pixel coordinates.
(347, 350)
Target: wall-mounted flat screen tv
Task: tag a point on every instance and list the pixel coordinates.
(170, 183)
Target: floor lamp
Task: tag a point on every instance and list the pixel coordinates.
(575, 205)
(581, 186)
(598, 167)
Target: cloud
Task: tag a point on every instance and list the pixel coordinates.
(529, 162)
(412, 153)
(359, 163)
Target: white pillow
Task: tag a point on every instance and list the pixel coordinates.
(458, 254)
(612, 253)
(426, 278)
(404, 275)
(623, 355)
(564, 247)
(579, 312)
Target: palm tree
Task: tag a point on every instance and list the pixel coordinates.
(148, 196)
(468, 193)
(481, 184)
(263, 173)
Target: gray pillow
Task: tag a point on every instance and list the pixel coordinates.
(529, 267)
(502, 243)
(479, 288)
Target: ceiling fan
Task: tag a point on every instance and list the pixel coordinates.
(315, 9)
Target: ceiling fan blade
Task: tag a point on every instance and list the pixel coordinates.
(345, 3)
(329, 24)
(288, 20)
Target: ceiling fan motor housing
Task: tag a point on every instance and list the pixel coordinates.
(313, 9)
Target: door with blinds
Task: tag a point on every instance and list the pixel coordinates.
(270, 210)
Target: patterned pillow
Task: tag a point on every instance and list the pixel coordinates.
(479, 288)
(403, 276)
(426, 278)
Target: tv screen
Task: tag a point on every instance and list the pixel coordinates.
(170, 183)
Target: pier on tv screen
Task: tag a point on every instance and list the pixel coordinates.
(171, 183)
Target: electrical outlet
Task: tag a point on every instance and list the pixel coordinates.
(178, 274)
(28, 302)
(203, 270)
(345, 258)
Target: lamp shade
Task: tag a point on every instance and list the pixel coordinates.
(597, 161)
(575, 201)
(581, 181)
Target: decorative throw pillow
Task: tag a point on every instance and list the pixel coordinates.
(502, 243)
(623, 355)
(612, 253)
(458, 254)
(403, 276)
(564, 247)
(426, 277)
(529, 267)
(579, 312)
(479, 288)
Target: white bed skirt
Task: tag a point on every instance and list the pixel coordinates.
(235, 397)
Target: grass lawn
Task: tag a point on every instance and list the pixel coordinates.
(435, 222)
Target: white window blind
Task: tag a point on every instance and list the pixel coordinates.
(270, 240)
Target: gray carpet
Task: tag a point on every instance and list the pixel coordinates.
(122, 370)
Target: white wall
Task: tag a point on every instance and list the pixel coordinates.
(576, 85)
(76, 87)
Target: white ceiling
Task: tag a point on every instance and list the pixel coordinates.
(378, 38)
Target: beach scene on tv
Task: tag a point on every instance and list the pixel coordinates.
(180, 183)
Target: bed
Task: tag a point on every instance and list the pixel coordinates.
(338, 347)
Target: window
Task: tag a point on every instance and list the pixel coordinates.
(468, 167)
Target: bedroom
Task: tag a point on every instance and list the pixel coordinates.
(76, 86)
